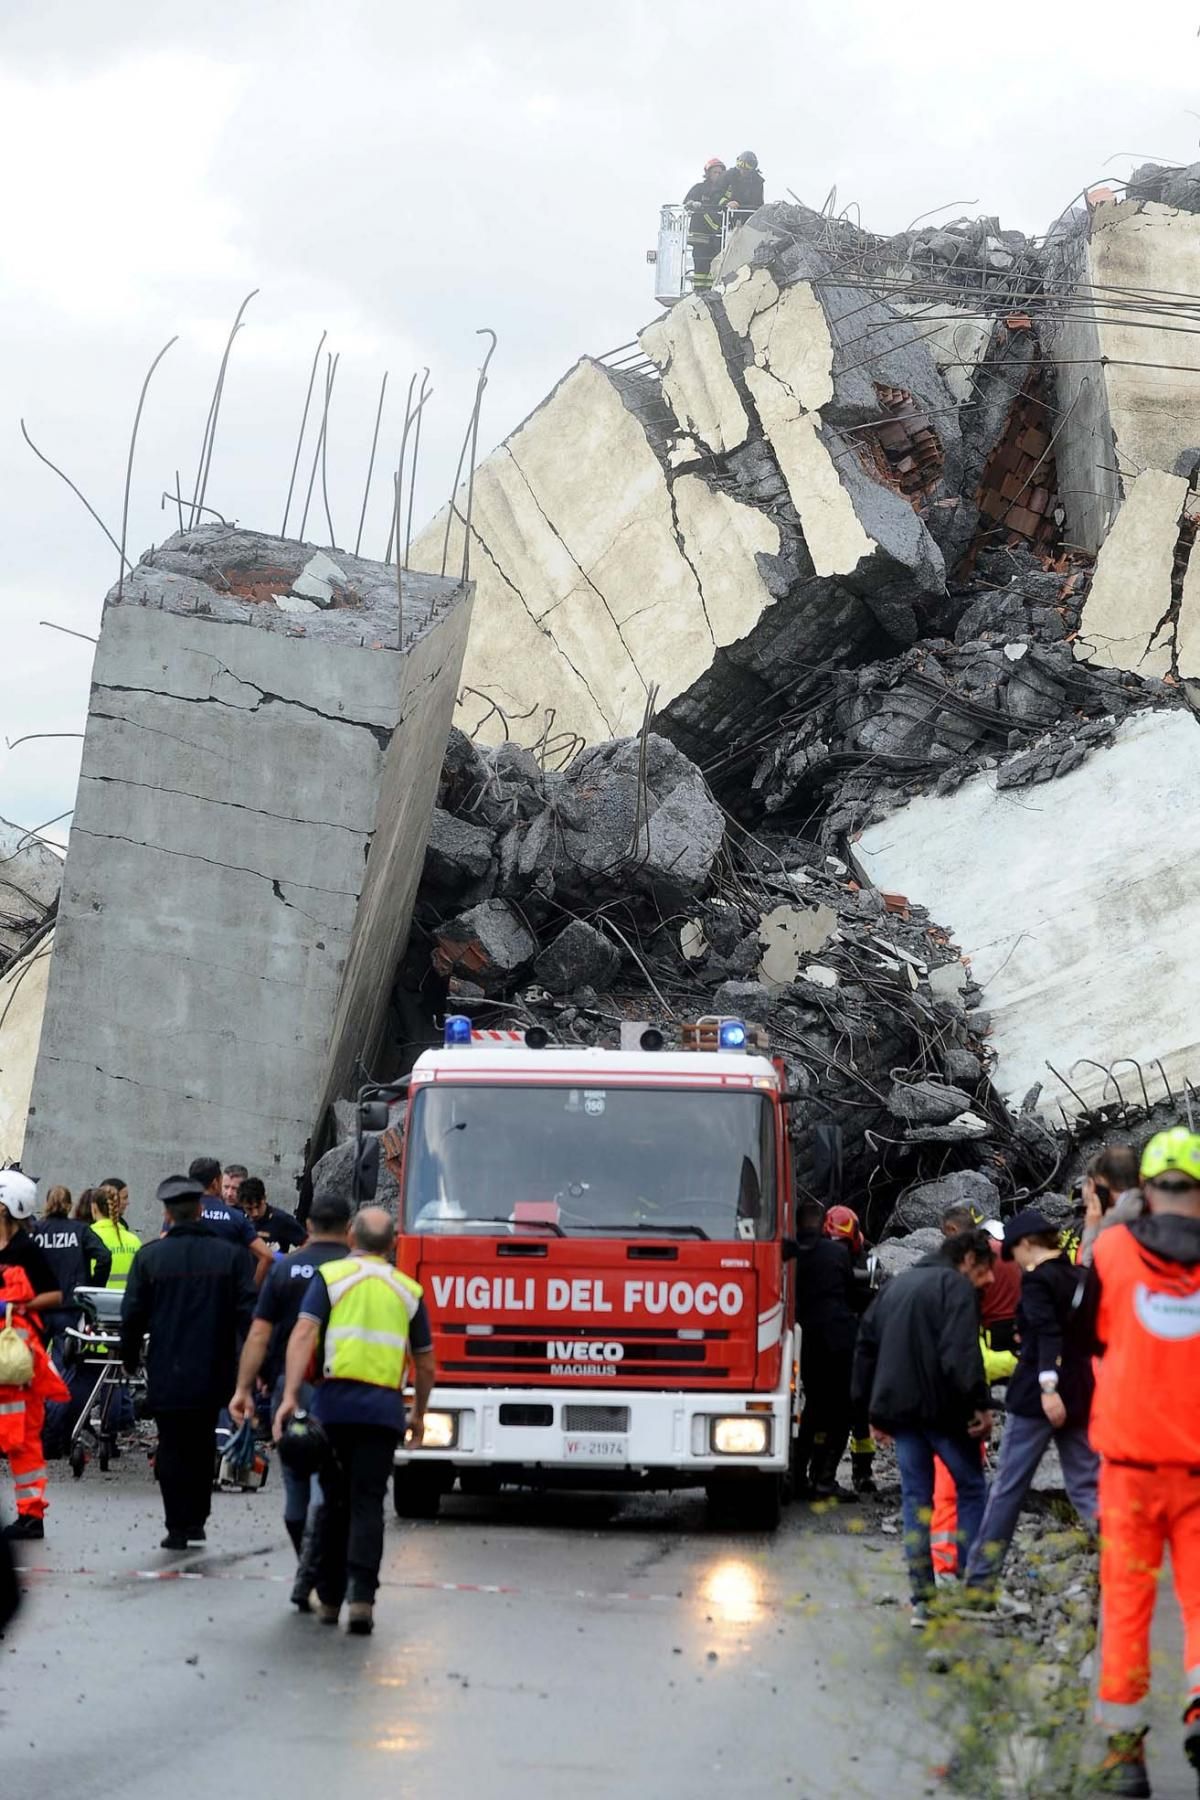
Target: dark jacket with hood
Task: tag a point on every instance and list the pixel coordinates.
(194, 1293)
(918, 1364)
(1052, 1340)
(744, 189)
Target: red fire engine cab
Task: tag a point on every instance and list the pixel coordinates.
(599, 1234)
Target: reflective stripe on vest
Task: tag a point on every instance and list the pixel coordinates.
(371, 1306)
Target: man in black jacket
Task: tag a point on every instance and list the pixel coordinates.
(194, 1294)
(919, 1369)
(1049, 1393)
(826, 1293)
(744, 188)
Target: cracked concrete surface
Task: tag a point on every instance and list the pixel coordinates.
(250, 823)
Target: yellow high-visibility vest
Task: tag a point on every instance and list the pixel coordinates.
(124, 1246)
(371, 1306)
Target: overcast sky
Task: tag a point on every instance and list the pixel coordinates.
(401, 175)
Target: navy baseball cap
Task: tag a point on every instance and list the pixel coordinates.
(1028, 1223)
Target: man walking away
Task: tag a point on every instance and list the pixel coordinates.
(1049, 1395)
(264, 1354)
(919, 1369)
(704, 205)
(225, 1220)
(1144, 1295)
(365, 1319)
(192, 1292)
(744, 188)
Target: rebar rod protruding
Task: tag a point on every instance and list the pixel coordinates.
(137, 419)
(331, 363)
(395, 518)
(484, 331)
(412, 473)
(214, 411)
(312, 376)
(42, 457)
(371, 463)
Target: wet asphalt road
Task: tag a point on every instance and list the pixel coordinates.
(525, 1646)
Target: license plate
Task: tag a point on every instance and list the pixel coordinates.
(596, 1449)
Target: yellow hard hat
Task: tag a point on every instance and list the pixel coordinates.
(1178, 1149)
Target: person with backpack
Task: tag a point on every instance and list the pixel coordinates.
(1049, 1397)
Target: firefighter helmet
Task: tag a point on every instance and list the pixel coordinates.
(747, 160)
(1176, 1149)
(842, 1222)
(714, 162)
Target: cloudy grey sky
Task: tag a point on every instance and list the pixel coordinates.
(401, 175)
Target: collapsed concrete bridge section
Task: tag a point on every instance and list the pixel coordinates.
(261, 760)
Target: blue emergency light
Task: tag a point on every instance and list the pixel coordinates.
(731, 1036)
(457, 1031)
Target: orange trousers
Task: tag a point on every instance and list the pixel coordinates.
(1142, 1510)
(943, 1523)
(28, 1463)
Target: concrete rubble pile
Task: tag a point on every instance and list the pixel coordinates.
(30, 877)
(618, 889)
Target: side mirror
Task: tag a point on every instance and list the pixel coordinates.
(373, 1115)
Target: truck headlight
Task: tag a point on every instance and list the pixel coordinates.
(441, 1431)
(741, 1436)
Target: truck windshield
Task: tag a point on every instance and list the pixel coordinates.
(587, 1160)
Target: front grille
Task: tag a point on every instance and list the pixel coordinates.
(595, 1418)
(519, 1413)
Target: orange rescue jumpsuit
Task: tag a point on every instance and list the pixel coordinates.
(23, 1409)
(1145, 1425)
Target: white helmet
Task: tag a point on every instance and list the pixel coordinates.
(18, 1193)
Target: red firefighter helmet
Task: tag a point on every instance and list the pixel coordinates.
(714, 162)
(842, 1222)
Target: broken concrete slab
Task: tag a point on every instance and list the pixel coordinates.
(23, 984)
(580, 956)
(1068, 946)
(1126, 610)
(696, 383)
(489, 944)
(645, 812)
(899, 1253)
(248, 837)
(457, 853)
(927, 1102)
(30, 877)
(927, 1203)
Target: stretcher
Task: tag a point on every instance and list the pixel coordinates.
(93, 1356)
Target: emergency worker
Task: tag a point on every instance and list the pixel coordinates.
(191, 1294)
(108, 1214)
(704, 203)
(827, 1314)
(23, 1408)
(1144, 1298)
(363, 1319)
(744, 187)
(1112, 1195)
(225, 1220)
(77, 1258)
(1049, 1395)
(262, 1364)
(842, 1223)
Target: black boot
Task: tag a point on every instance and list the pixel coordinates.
(306, 1568)
(295, 1530)
(1191, 1736)
(1123, 1770)
(862, 1471)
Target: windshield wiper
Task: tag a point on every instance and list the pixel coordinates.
(520, 1224)
(620, 1225)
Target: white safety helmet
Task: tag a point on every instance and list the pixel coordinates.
(18, 1193)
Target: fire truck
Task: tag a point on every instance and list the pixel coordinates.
(600, 1235)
